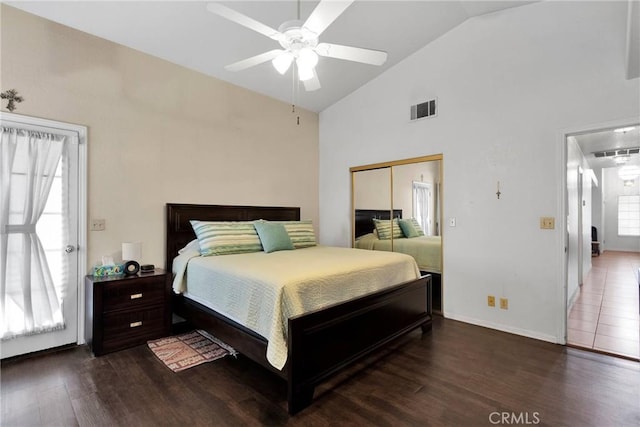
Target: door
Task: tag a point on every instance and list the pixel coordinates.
(39, 235)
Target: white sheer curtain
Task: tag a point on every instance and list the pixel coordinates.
(421, 205)
(30, 303)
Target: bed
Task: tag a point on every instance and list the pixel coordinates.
(427, 250)
(318, 343)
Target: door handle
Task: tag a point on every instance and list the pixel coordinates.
(69, 248)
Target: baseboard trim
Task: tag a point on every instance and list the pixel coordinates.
(504, 328)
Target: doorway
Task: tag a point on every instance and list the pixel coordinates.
(603, 308)
(43, 238)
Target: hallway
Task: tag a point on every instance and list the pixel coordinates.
(605, 315)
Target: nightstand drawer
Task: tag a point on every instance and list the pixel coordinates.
(131, 295)
(125, 325)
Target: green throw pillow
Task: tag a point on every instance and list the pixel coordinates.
(408, 228)
(274, 237)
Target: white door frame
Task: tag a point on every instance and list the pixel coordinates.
(82, 199)
(562, 194)
(580, 226)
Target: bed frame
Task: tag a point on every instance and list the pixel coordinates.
(320, 343)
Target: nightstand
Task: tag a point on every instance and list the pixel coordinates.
(126, 311)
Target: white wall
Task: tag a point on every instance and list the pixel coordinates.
(508, 84)
(614, 187)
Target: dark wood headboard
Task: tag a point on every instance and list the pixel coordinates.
(179, 231)
(364, 219)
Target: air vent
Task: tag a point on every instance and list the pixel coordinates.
(613, 153)
(425, 109)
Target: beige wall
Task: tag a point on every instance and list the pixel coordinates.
(158, 132)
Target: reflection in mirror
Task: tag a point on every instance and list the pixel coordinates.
(416, 191)
(409, 191)
(372, 202)
(416, 194)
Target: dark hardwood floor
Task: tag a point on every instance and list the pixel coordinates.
(458, 375)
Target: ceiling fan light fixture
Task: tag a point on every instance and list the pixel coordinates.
(282, 62)
(299, 41)
(307, 58)
(304, 73)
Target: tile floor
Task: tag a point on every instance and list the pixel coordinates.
(605, 315)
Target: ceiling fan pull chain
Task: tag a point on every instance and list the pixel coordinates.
(293, 90)
(294, 93)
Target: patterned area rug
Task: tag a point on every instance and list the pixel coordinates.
(185, 351)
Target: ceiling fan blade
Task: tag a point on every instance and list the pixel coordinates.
(324, 14)
(244, 20)
(254, 60)
(357, 54)
(313, 83)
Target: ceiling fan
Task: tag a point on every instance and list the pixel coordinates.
(299, 42)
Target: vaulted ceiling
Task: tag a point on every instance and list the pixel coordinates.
(185, 33)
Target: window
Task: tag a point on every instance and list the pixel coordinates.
(421, 206)
(629, 215)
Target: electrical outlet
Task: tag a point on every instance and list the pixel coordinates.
(504, 303)
(491, 301)
(97, 225)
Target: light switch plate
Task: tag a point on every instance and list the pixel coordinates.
(547, 222)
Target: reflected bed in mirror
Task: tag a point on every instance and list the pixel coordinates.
(426, 250)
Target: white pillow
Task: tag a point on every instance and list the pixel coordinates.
(191, 247)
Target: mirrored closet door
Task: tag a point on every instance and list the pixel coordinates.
(397, 207)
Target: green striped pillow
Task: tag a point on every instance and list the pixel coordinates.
(226, 237)
(384, 227)
(301, 233)
(416, 225)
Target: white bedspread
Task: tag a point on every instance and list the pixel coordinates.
(263, 290)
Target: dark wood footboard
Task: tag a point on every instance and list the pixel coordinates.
(323, 342)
